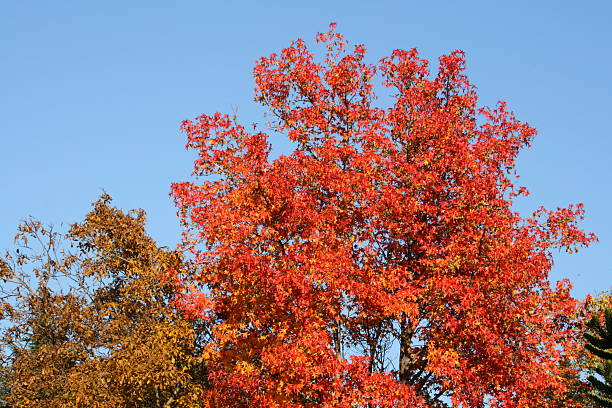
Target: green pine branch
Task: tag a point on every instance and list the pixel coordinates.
(599, 343)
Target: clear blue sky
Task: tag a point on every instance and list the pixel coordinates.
(92, 94)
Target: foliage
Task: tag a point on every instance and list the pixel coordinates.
(599, 344)
(89, 319)
(386, 228)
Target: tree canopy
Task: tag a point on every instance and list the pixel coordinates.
(380, 263)
(90, 318)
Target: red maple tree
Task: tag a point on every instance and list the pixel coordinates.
(380, 263)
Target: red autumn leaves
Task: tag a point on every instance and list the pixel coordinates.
(380, 263)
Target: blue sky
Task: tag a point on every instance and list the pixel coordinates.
(92, 95)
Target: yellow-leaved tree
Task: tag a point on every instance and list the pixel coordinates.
(89, 318)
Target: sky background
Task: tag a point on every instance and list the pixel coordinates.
(92, 95)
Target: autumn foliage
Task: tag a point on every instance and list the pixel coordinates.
(89, 318)
(380, 263)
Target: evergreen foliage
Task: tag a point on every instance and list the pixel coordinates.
(599, 343)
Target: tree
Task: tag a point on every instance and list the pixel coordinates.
(599, 344)
(384, 229)
(90, 318)
(583, 365)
